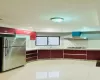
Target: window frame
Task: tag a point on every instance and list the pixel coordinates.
(47, 41)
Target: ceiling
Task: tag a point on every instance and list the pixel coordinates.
(36, 14)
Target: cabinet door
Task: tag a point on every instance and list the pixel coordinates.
(7, 30)
(75, 54)
(93, 55)
(56, 53)
(32, 35)
(11, 30)
(79, 52)
(31, 51)
(75, 51)
(31, 55)
(43, 54)
(68, 51)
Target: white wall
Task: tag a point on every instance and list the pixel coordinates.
(75, 43)
(30, 44)
(61, 46)
(64, 44)
(92, 43)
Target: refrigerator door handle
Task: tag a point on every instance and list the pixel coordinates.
(6, 43)
(5, 52)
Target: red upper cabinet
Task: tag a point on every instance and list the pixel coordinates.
(27, 32)
(7, 30)
(24, 32)
(32, 35)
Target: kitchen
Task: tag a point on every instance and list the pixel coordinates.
(48, 39)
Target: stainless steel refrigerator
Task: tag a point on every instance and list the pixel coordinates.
(12, 52)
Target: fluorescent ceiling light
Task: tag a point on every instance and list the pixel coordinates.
(57, 19)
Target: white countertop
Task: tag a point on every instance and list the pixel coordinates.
(29, 49)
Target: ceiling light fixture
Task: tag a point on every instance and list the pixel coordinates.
(57, 19)
(1, 19)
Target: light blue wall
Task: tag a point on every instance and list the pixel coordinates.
(91, 36)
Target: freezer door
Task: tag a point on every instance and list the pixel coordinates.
(7, 41)
(13, 57)
(14, 42)
(18, 42)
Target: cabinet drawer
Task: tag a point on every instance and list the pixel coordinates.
(75, 56)
(75, 51)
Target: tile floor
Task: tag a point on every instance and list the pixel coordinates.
(55, 70)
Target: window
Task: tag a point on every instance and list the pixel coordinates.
(54, 41)
(47, 40)
(40, 41)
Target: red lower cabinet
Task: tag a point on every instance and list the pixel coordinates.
(56, 53)
(93, 55)
(31, 58)
(31, 55)
(68, 51)
(75, 56)
(43, 54)
(75, 51)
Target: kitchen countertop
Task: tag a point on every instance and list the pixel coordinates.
(62, 49)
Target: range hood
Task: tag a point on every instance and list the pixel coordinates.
(76, 36)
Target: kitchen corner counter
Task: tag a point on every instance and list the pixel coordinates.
(87, 54)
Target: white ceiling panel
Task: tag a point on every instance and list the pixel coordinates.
(37, 13)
